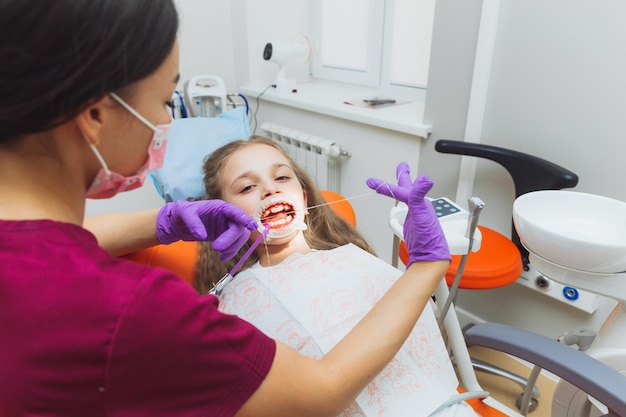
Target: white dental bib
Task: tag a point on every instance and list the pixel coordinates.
(311, 301)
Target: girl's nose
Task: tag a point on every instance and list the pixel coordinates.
(270, 189)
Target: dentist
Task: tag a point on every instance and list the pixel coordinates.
(83, 91)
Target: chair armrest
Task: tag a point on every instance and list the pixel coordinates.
(529, 173)
(595, 378)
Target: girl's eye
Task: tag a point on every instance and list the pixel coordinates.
(246, 188)
(170, 104)
(283, 178)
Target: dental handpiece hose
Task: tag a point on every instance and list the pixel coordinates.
(475, 206)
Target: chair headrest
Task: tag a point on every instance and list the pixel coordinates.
(189, 143)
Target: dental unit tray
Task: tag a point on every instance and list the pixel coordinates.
(453, 220)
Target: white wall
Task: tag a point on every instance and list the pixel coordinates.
(455, 33)
(558, 91)
(206, 39)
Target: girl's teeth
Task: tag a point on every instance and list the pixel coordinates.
(275, 209)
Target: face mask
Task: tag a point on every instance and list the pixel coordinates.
(108, 183)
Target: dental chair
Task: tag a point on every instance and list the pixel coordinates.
(500, 260)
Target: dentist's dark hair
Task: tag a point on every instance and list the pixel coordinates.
(58, 57)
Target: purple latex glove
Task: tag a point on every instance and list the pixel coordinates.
(223, 224)
(422, 231)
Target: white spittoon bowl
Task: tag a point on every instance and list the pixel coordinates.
(580, 231)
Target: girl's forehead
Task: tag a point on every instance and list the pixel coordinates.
(256, 155)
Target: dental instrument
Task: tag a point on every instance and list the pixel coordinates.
(219, 285)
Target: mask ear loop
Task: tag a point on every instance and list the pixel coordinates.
(132, 111)
(97, 153)
(219, 286)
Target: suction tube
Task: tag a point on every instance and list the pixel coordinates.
(475, 206)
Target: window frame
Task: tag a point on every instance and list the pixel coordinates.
(370, 76)
(380, 38)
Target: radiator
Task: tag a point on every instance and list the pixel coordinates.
(320, 157)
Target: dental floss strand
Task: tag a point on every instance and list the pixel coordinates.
(268, 267)
(342, 200)
(280, 227)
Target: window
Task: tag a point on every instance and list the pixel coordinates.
(375, 43)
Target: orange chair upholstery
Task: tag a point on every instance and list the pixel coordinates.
(496, 264)
(341, 206)
(482, 409)
(179, 257)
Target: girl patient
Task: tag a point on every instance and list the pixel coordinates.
(314, 277)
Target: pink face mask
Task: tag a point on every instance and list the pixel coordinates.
(108, 183)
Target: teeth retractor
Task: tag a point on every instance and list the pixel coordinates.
(269, 212)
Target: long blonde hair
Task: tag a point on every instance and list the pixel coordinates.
(326, 230)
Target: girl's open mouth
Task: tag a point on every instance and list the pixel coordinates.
(282, 215)
(278, 215)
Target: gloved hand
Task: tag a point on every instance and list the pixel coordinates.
(224, 224)
(422, 231)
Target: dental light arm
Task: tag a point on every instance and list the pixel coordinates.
(598, 380)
